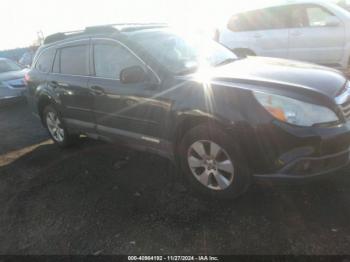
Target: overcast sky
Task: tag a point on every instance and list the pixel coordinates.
(20, 20)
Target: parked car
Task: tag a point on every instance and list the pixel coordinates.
(223, 121)
(344, 4)
(12, 82)
(308, 30)
(27, 57)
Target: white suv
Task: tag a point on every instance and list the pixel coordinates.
(312, 31)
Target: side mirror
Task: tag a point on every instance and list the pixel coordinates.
(332, 21)
(132, 75)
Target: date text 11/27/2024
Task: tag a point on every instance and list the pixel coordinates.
(173, 258)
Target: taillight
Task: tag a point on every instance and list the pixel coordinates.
(26, 79)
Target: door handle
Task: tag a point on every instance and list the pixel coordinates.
(96, 90)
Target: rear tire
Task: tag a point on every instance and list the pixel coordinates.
(57, 129)
(212, 163)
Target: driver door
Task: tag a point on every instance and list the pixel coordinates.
(130, 112)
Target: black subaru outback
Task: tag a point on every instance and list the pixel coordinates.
(224, 121)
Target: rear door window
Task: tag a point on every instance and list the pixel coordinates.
(74, 60)
(309, 16)
(274, 18)
(264, 19)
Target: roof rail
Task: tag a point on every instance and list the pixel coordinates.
(88, 31)
(132, 24)
(129, 28)
(102, 29)
(59, 36)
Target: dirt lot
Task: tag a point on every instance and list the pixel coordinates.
(89, 200)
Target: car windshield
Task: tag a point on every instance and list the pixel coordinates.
(7, 66)
(181, 54)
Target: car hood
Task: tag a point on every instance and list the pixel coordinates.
(12, 75)
(256, 70)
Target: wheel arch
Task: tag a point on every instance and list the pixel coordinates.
(43, 101)
(243, 133)
(188, 122)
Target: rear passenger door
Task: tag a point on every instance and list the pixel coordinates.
(70, 80)
(263, 31)
(271, 31)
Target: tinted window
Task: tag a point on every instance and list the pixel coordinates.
(275, 18)
(317, 16)
(111, 59)
(309, 16)
(44, 63)
(239, 23)
(265, 19)
(74, 60)
(8, 65)
(298, 17)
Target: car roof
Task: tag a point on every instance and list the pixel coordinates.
(280, 3)
(149, 31)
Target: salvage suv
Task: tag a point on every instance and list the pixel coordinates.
(223, 121)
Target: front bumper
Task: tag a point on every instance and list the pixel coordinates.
(309, 167)
(285, 152)
(11, 100)
(9, 96)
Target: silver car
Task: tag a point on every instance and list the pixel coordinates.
(12, 82)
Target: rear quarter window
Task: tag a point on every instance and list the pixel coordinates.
(45, 60)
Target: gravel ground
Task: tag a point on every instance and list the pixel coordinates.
(100, 199)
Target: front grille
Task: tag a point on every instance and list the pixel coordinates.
(343, 101)
(345, 108)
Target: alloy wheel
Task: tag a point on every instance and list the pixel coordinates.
(211, 165)
(54, 126)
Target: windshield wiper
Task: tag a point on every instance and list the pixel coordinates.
(226, 61)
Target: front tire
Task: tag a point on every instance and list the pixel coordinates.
(213, 164)
(57, 130)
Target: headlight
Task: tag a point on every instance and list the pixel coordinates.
(294, 111)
